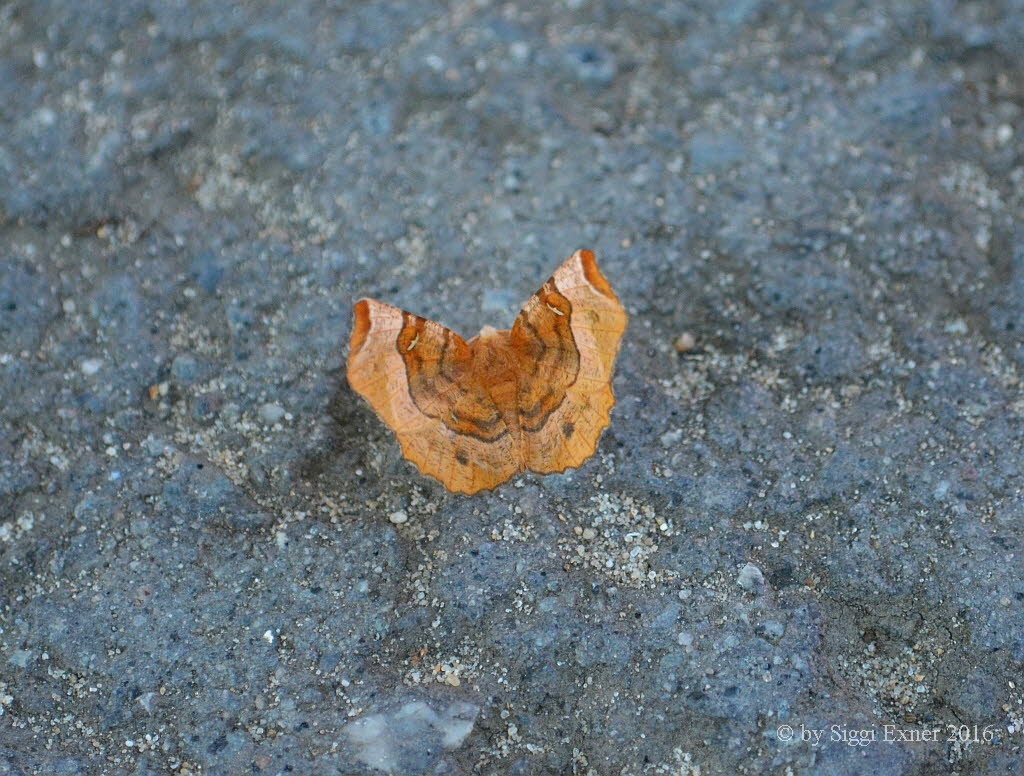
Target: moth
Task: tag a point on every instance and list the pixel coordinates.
(473, 414)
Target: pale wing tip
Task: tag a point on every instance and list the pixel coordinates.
(361, 324)
(366, 313)
(583, 264)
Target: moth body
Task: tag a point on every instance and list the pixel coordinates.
(494, 357)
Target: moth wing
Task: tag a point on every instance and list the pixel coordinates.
(566, 338)
(418, 377)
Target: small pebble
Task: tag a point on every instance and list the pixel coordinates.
(185, 367)
(751, 578)
(589, 533)
(670, 438)
(685, 639)
(399, 517)
(91, 366)
(146, 701)
(21, 658)
(685, 342)
(271, 413)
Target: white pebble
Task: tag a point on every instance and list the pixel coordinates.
(670, 438)
(685, 639)
(91, 366)
(46, 116)
(520, 50)
(271, 413)
(751, 578)
(399, 517)
(685, 342)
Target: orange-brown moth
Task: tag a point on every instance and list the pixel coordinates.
(472, 414)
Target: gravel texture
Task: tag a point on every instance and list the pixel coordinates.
(808, 510)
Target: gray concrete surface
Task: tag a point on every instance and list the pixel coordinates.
(814, 518)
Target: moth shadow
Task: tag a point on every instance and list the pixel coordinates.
(353, 453)
(341, 444)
